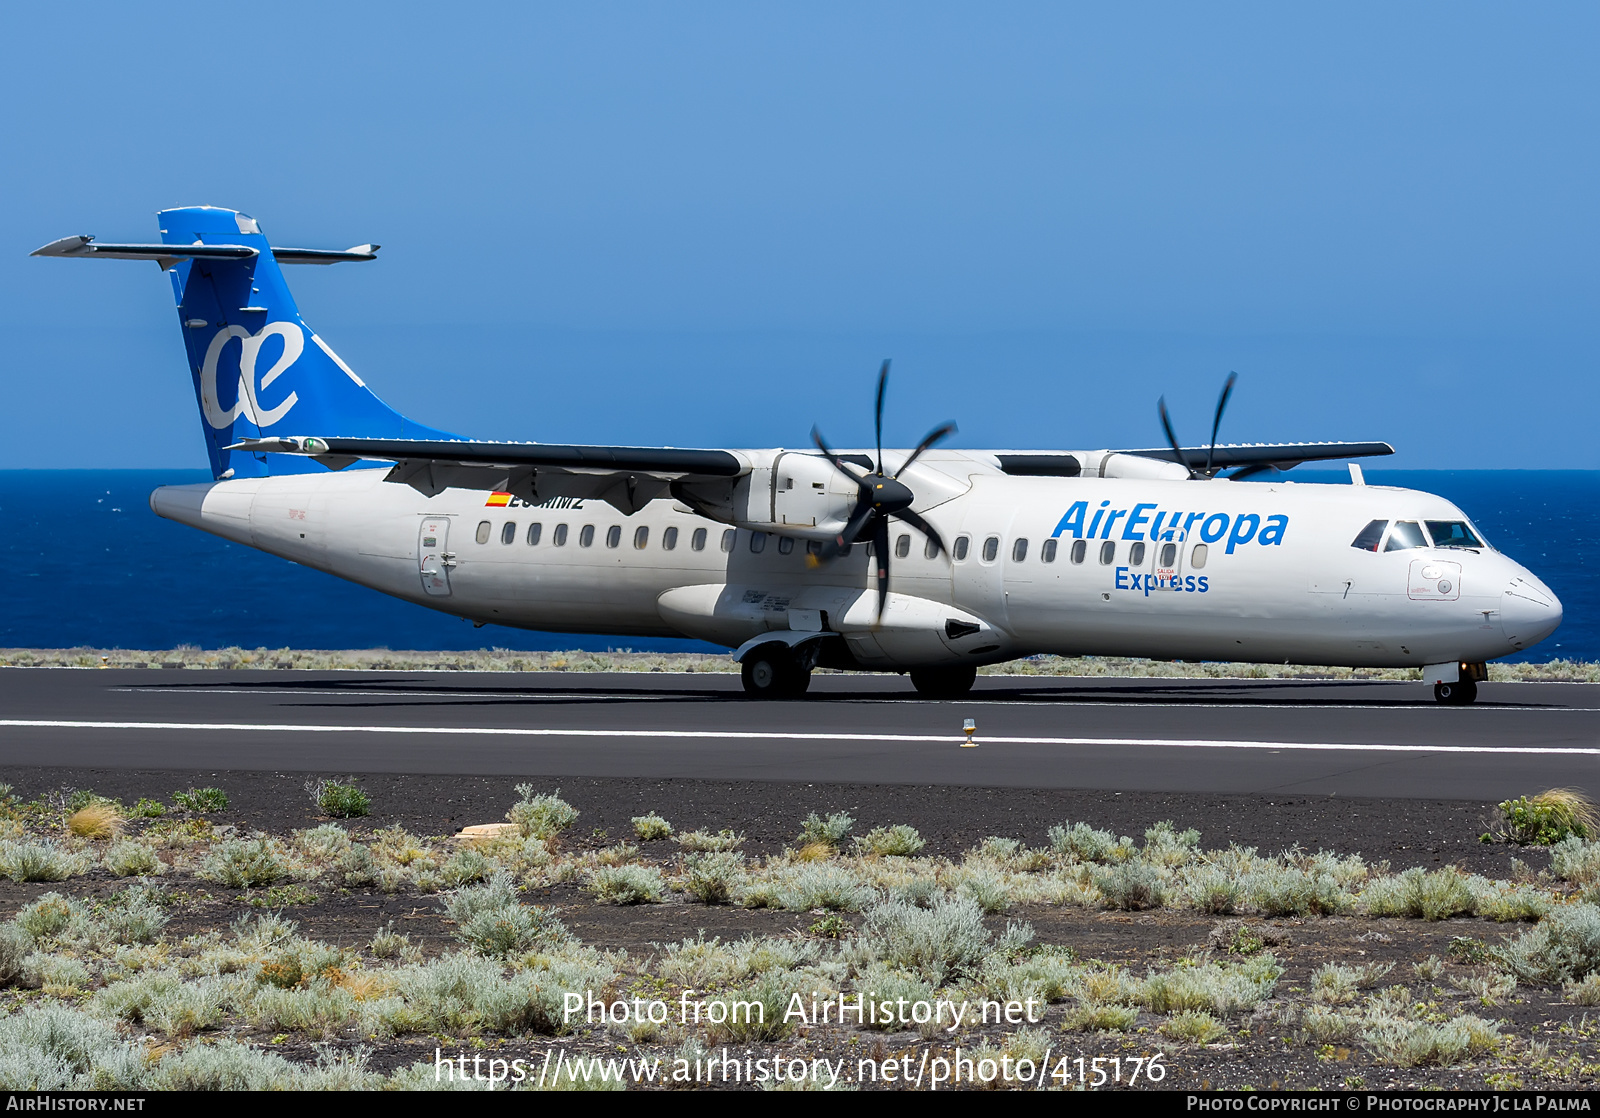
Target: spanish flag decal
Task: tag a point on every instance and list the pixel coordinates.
(497, 501)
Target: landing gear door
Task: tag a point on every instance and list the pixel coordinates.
(434, 557)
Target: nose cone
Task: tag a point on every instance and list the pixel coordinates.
(1529, 611)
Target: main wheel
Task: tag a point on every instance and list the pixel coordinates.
(1458, 694)
(943, 683)
(773, 673)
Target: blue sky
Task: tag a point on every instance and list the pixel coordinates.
(706, 224)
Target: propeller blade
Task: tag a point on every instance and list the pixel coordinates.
(827, 452)
(1172, 440)
(883, 385)
(852, 531)
(932, 437)
(880, 556)
(922, 526)
(1216, 424)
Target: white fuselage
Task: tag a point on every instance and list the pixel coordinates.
(1278, 579)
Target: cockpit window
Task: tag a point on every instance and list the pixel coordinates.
(1452, 533)
(1370, 536)
(1405, 534)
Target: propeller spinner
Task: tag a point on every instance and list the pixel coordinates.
(879, 496)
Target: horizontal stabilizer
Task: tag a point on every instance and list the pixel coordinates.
(168, 255)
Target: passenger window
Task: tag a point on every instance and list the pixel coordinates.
(727, 540)
(483, 532)
(669, 539)
(1197, 558)
(1371, 536)
(902, 547)
(1108, 553)
(560, 536)
(641, 537)
(930, 550)
(698, 540)
(533, 533)
(785, 544)
(1169, 554)
(1019, 551)
(508, 533)
(1405, 535)
(1136, 555)
(758, 542)
(961, 545)
(1452, 533)
(991, 548)
(1047, 551)
(586, 536)
(1080, 548)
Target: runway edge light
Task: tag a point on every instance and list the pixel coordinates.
(971, 727)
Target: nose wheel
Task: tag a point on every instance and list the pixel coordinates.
(1459, 694)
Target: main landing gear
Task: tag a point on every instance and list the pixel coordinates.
(774, 672)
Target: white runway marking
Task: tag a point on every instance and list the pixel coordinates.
(769, 735)
(518, 696)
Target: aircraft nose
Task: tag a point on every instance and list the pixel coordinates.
(1529, 611)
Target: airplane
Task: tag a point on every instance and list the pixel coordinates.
(931, 562)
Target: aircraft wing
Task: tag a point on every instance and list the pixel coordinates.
(1252, 457)
(628, 477)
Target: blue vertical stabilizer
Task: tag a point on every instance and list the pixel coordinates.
(259, 370)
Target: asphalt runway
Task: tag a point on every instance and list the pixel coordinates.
(1233, 736)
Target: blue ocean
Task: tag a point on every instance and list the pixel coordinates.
(92, 565)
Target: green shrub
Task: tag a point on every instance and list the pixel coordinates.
(935, 943)
(1132, 885)
(829, 831)
(1086, 844)
(244, 863)
(651, 827)
(1548, 818)
(541, 815)
(1572, 859)
(899, 841)
(1563, 947)
(807, 887)
(41, 860)
(706, 842)
(342, 801)
(129, 858)
(201, 800)
(493, 920)
(1194, 1025)
(50, 915)
(1418, 893)
(147, 808)
(713, 878)
(628, 884)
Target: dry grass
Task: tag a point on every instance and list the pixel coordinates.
(97, 821)
(506, 660)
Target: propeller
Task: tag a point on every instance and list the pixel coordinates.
(879, 496)
(1181, 459)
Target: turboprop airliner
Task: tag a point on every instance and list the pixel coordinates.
(929, 561)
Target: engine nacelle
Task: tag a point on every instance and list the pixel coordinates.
(794, 493)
